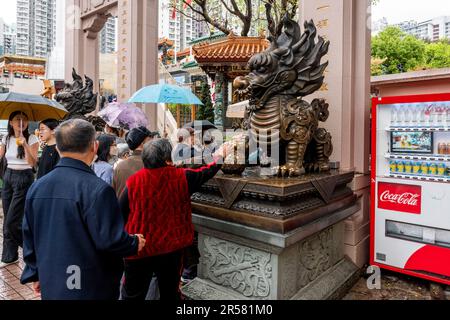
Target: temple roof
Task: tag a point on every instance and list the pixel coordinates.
(180, 54)
(233, 49)
(208, 39)
(169, 42)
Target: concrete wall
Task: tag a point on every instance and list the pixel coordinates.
(30, 86)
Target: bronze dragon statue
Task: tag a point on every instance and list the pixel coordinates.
(279, 78)
(79, 99)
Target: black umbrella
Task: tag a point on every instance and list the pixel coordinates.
(200, 125)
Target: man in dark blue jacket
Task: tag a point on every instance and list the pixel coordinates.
(74, 238)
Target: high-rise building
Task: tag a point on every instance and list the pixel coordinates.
(108, 36)
(7, 38)
(432, 30)
(36, 27)
(180, 28)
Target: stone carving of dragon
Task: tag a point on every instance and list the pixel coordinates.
(78, 98)
(279, 78)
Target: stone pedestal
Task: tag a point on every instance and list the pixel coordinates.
(274, 239)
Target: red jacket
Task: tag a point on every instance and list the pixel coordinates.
(160, 209)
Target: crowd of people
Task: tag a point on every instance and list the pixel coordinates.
(106, 213)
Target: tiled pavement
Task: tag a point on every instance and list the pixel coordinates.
(10, 287)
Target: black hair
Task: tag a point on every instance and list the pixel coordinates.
(11, 133)
(157, 153)
(75, 136)
(104, 147)
(52, 124)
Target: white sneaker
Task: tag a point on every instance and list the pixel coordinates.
(4, 265)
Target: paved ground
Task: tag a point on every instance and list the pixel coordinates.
(393, 286)
(396, 286)
(10, 287)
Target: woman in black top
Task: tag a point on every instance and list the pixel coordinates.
(50, 156)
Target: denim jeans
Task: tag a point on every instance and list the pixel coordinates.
(15, 187)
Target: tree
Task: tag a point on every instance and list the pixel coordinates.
(437, 55)
(225, 15)
(205, 112)
(402, 52)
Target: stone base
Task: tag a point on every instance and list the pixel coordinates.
(239, 262)
(273, 239)
(333, 284)
(199, 289)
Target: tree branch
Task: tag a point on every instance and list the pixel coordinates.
(270, 22)
(204, 13)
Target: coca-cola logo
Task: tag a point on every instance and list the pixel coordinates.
(400, 197)
(406, 198)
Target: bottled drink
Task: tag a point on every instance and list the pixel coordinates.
(400, 167)
(442, 148)
(415, 119)
(432, 169)
(393, 166)
(394, 116)
(447, 114)
(417, 167)
(408, 167)
(424, 168)
(440, 114)
(442, 169)
(427, 116)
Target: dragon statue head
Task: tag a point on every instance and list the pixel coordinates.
(78, 98)
(291, 66)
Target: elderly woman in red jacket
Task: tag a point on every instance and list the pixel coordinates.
(157, 204)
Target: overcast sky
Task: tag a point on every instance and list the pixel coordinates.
(8, 10)
(401, 10)
(394, 10)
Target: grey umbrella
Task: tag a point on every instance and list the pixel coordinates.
(36, 108)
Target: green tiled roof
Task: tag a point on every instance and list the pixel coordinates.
(214, 36)
(191, 64)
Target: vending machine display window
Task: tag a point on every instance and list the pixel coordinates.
(412, 142)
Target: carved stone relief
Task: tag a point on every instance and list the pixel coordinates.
(245, 270)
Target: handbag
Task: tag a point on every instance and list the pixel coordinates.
(3, 166)
(4, 162)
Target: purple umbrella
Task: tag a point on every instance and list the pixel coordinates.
(123, 115)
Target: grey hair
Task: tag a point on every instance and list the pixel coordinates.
(157, 153)
(122, 149)
(75, 136)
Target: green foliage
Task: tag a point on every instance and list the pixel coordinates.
(402, 52)
(205, 112)
(437, 55)
(394, 51)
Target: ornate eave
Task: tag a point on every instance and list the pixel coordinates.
(232, 51)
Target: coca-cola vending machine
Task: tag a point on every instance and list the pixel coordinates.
(410, 207)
